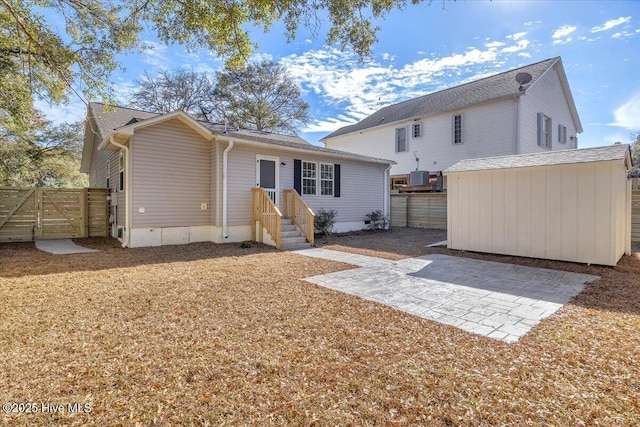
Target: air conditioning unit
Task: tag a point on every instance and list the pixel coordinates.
(419, 178)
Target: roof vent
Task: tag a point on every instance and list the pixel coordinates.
(132, 121)
(523, 79)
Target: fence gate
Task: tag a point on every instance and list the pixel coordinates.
(52, 213)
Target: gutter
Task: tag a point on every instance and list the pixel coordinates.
(225, 190)
(127, 179)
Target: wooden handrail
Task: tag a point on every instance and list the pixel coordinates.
(301, 215)
(267, 215)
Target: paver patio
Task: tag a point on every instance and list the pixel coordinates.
(498, 300)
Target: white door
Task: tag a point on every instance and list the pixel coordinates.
(267, 175)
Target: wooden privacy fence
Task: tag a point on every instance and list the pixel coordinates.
(635, 210)
(28, 214)
(419, 210)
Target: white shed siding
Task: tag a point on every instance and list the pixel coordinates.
(170, 176)
(572, 212)
(546, 97)
(362, 184)
(488, 130)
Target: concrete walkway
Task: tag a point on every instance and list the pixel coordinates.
(498, 300)
(61, 247)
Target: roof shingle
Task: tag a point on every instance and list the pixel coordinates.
(111, 118)
(547, 158)
(484, 90)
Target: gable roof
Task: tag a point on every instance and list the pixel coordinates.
(124, 121)
(490, 88)
(109, 118)
(547, 158)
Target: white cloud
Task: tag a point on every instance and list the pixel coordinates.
(517, 36)
(521, 45)
(562, 41)
(494, 44)
(563, 31)
(628, 114)
(530, 23)
(154, 54)
(74, 111)
(261, 57)
(610, 24)
(559, 36)
(357, 90)
(622, 35)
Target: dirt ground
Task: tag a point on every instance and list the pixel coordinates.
(207, 334)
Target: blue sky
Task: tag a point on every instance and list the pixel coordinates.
(428, 48)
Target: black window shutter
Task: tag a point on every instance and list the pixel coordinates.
(336, 182)
(297, 175)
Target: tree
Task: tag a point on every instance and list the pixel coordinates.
(261, 96)
(45, 157)
(635, 152)
(180, 89)
(38, 62)
(73, 48)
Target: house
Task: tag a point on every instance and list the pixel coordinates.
(525, 110)
(568, 205)
(176, 180)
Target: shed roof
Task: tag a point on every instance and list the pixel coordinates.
(547, 158)
(479, 91)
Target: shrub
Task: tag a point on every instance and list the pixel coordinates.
(245, 244)
(324, 222)
(377, 221)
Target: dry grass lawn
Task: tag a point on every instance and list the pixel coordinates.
(209, 334)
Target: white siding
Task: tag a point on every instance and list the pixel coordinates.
(488, 130)
(362, 184)
(170, 176)
(545, 96)
(573, 212)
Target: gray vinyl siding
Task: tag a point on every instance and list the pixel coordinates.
(98, 176)
(362, 184)
(171, 176)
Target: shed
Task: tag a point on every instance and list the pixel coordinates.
(569, 205)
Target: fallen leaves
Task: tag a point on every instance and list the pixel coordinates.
(209, 334)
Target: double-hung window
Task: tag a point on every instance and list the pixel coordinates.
(401, 140)
(544, 131)
(326, 179)
(416, 130)
(309, 178)
(457, 129)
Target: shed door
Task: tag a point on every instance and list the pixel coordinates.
(267, 176)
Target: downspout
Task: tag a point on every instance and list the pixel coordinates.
(225, 189)
(387, 194)
(127, 180)
(517, 130)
